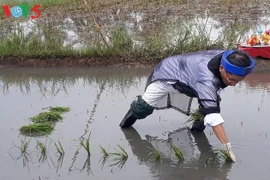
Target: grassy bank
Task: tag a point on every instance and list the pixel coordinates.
(153, 47)
(47, 40)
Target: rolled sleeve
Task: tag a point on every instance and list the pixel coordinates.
(213, 119)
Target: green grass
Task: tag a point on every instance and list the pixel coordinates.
(59, 109)
(120, 41)
(37, 129)
(154, 45)
(43, 4)
(33, 47)
(188, 37)
(44, 117)
(16, 45)
(132, 3)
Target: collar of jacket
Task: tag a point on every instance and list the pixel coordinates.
(213, 66)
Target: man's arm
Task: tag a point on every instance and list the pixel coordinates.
(209, 107)
(221, 135)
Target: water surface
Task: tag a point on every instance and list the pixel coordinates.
(99, 98)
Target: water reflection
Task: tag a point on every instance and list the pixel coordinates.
(36, 159)
(259, 81)
(87, 166)
(25, 158)
(52, 81)
(49, 82)
(200, 162)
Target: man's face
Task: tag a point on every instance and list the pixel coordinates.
(228, 78)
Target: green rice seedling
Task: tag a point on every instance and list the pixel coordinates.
(223, 153)
(23, 146)
(177, 152)
(86, 145)
(59, 148)
(104, 151)
(59, 109)
(194, 115)
(44, 117)
(155, 155)
(122, 154)
(104, 157)
(42, 147)
(122, 157)
(37, 129)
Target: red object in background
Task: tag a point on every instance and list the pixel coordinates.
(256, 51)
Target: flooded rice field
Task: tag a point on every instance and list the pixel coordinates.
(98, 99)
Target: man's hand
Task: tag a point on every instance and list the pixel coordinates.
(228, 147)
(221, 135)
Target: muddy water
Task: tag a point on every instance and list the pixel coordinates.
(99, 98)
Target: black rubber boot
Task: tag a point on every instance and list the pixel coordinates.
(128, 120)
(139, 109)
(198, 125)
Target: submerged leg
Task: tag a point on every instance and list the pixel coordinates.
(144, 105)
(139, 109)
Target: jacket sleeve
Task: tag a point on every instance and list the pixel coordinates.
(208, 97)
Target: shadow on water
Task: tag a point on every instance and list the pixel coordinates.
(200, 162)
